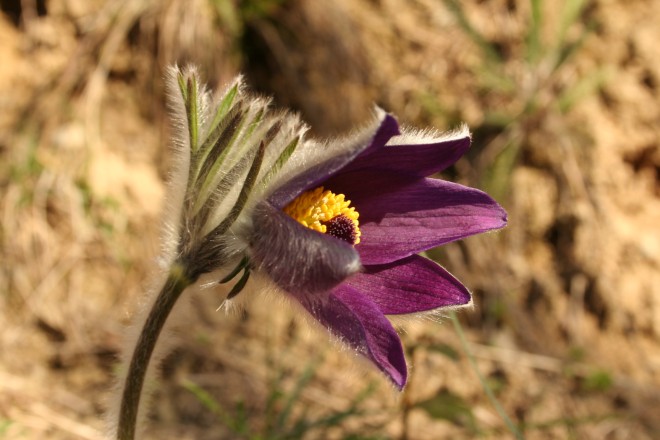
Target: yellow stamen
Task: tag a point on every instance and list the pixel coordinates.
(318, 206)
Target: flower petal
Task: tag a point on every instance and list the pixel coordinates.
(402, 215)
(421, 158)
(312, 176)
(296, 258)
(414, 284)
(358, 322)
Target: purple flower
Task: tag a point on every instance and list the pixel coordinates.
(349, 287)
(337, 226)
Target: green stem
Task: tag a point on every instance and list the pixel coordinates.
(489, 392)
(176, 283)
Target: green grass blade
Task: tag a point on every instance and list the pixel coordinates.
(237, 424)
(486, 47)
(568, 50)
(534, 48)
(5, 424)
(334, 419)
(497, 178)
(580, 90)
(206, 399)
(489, 392)
(570, 14)
(292, 398)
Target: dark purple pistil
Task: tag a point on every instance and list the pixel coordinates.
(342, 228)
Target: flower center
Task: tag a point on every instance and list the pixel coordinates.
(326, 212)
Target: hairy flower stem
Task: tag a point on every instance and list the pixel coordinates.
(177, 282)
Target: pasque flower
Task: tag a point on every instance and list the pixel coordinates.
(334, 225)
(348, 286)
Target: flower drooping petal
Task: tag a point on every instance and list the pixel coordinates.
(421, 158)
(358, 322)
(313, 175)
(412, 285)
(401, 214)
(297, 258)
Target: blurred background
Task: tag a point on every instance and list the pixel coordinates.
(563, 101)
